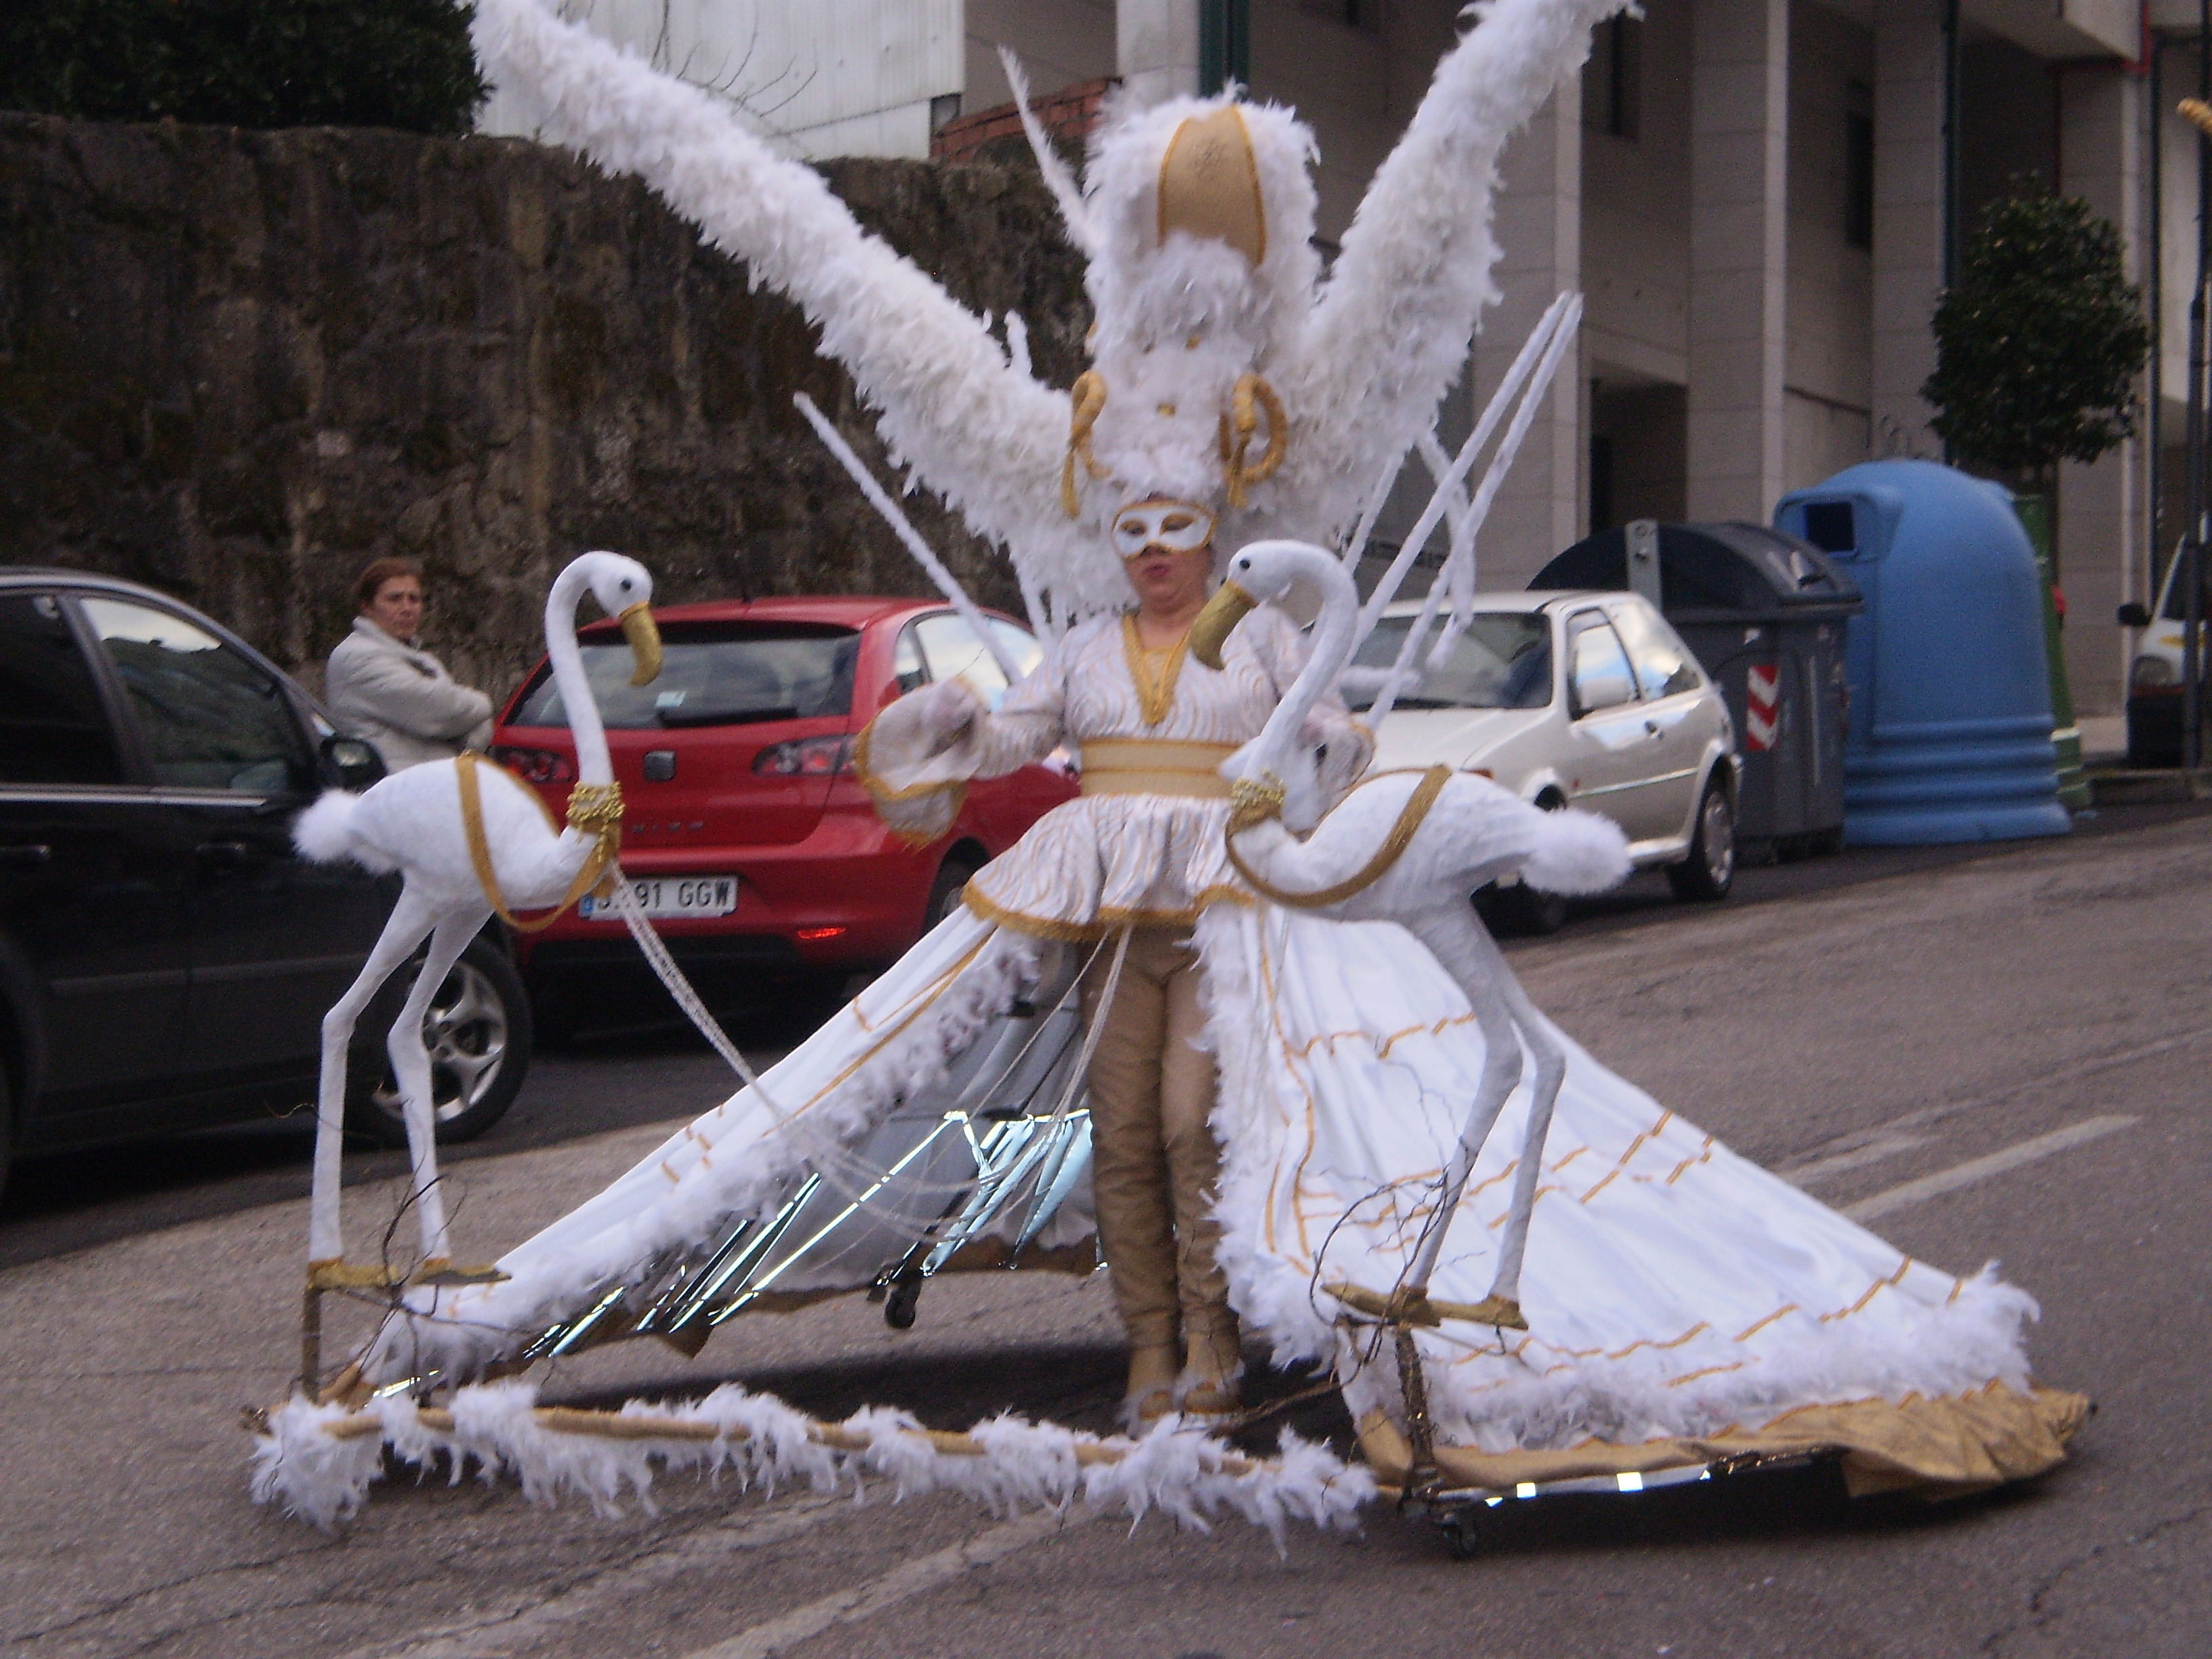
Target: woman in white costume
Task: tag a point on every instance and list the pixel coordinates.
(1682, 1304)
(1130, 865)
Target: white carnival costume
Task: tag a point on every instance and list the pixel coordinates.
(1683, 1307)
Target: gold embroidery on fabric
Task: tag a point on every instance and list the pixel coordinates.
(1750, 1331)
(1873, 1291)
(885, 795)
(1710, 1371)
(1108, 918)
(1154, 673)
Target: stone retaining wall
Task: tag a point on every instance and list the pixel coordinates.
(239, 365)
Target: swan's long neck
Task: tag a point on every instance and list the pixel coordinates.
(1332, 649)
(593, 763)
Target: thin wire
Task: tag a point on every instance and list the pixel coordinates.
(852, 1177)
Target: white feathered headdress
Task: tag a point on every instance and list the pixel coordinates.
(1225, 370)
(1198, 223)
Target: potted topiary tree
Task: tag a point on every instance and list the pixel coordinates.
(2038, 345)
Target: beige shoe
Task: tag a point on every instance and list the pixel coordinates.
(1151, 1394)
(1213, 1365)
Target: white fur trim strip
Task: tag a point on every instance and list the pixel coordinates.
(318, 1462)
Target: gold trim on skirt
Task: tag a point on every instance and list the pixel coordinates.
(1155, 766)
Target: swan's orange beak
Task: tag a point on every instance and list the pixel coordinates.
(1229, 605)
(644, 636)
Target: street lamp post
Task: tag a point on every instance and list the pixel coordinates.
(2198, 110)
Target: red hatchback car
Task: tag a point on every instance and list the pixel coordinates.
(746, 833)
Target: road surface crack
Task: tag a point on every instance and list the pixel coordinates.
(2037, 1616)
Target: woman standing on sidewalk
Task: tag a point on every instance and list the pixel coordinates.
(384, 687)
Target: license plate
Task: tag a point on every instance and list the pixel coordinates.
(662, 897)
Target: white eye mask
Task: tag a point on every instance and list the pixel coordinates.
(1178, 526)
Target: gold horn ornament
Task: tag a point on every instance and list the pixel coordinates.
(1251, 396)
(643, 634)
(1229, 605)
(1086, 398)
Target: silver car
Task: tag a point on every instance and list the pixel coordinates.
(1585, 700)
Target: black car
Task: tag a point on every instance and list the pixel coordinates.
(165, 958)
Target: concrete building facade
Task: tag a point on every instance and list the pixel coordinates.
(1761, 200)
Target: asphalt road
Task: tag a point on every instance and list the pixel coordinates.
(1999, 1058)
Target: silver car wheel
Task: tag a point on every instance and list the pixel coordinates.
(466, 1030)
(1717, 836)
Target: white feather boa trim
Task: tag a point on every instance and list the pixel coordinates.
(1181, 1472)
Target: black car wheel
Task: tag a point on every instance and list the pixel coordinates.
(6, 1124)
(478, 1030)
(952, 878)
(1520, 909)
(1709, 870)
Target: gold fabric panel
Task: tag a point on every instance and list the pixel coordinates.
(1210, 184)
(1136, 766)
(1944, 1448)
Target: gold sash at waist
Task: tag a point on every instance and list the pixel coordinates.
(1155, 766)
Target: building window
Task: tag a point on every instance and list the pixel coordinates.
(1858, 169)
(1225, 44)
(1600, 481)
(1612, 78)
(1364, 15)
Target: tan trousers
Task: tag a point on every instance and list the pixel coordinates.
(1154, 1161)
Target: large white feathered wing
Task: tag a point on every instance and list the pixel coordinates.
(982, 434)
(1388, 334)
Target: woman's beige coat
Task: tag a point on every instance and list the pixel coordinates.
(402, 700)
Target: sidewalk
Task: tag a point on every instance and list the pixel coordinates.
(2104, 739)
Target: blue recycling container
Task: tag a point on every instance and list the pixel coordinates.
(1949, 737)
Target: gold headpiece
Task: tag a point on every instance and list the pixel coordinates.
(1210, 184)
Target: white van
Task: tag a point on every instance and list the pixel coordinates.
(2154, 676)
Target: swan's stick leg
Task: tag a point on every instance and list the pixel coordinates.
(411, 1065)
(1455, 937)
(1551, 1072)
(412, 919)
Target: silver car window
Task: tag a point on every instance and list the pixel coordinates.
(1663, 665)
(953, 652)
(1598, 674)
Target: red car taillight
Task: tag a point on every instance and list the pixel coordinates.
(536, 765)
(805, 758)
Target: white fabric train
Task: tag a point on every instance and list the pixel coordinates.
(1674, 1292)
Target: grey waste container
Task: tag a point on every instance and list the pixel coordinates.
(1765, 612)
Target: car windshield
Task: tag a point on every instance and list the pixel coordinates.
(712, 674)
(2177, 594)
(1504, 660)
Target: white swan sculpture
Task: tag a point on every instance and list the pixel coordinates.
(1409, 848)
(467, 837)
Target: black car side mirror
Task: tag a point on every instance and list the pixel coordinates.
(2134, 614)
(351, 763)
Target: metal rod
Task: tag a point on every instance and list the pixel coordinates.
(2192, 603)
(923, 555)
(310, 1341)
(2154, 284)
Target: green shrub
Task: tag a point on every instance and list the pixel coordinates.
(2037, 343)
(403, 63)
